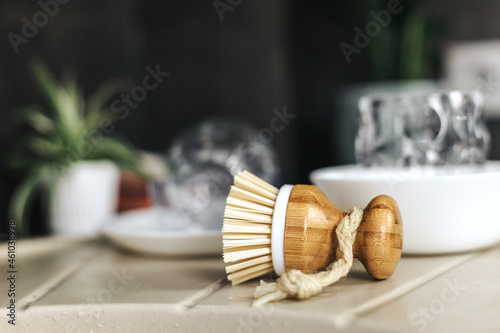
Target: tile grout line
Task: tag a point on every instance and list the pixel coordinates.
(195, 299)
(345, 318)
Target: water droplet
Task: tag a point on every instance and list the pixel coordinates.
(64, 313)
(80, 314)
(99, 325)
(97, 315)
(70, 328)
(56, 319)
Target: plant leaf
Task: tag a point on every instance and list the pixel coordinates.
(45, 81)
(15, 162)
(21, 200)
(116, 151)
(98, 99)
(413, 53)
(34, 116)
(48, 149)
(74, 92)
(65, 104)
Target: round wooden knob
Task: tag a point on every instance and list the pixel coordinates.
(311, 243)
(379, 239)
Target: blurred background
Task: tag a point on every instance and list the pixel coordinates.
(242, 59)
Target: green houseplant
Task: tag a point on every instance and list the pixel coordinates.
(69, 136)
(406, 44)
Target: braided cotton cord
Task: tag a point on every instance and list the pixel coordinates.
(299, 285)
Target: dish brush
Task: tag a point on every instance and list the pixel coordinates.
(294, 228)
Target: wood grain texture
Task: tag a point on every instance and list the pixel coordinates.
(310, 242)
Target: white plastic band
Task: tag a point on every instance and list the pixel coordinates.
(278, 229)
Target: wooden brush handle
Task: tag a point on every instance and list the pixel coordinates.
(311, 243)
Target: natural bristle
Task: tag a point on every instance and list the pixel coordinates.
(247, 228)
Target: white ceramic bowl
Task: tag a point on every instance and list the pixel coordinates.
(444, 209)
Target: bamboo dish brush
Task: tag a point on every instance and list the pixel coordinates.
(297, 230)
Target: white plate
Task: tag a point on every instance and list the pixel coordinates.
(153, 231)
(444, 209)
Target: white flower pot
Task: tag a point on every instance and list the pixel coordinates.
(84, 198)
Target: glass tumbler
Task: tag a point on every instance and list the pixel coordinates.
(435, 128)
(203, 161)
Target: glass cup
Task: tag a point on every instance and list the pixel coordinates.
(203, 161)
(436, 128)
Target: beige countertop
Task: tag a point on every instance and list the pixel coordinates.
(87, 285)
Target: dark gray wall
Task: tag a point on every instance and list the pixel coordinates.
(264, 54)
(238, 67)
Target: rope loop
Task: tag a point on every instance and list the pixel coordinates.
(295, 284)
